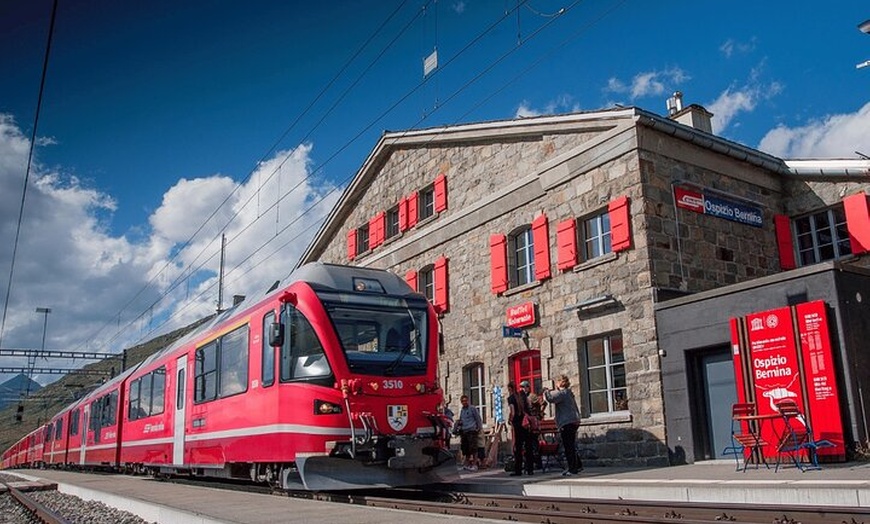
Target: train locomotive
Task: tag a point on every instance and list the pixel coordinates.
(329, 382)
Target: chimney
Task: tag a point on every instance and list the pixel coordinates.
(693, 116)
(238, 299)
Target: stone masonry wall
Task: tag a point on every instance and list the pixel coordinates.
(472, 327)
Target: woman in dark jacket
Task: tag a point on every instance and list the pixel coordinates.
(567, 420)
(523, 444)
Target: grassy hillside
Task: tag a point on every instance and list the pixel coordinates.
(45, 403)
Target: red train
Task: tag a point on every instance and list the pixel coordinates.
(327, 383)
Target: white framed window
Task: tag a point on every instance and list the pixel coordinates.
(474, 385)
(604, 362)
(426, 207)
(426, 282)
(594, 236)
(521, 256)
(392, 222)
(362, 239)
(822, 236)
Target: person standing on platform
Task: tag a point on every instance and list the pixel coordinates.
(470, 426)
(523, 444)
(567, 420)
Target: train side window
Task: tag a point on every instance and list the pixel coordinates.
(233, 375)
(302, 357)
(74, 423)
(133, 401)
(158, 390)
(205, 377)
(58, 428)
(110, 412)
(268, 368)
(179, 398)
(145, 396)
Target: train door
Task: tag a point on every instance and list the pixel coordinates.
(86, 412)
(180, 404)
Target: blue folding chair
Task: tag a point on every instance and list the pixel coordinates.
(797, 438)
(748, 443)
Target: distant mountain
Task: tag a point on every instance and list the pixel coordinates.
(14, 388)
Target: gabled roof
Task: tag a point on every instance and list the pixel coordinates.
(517, 128)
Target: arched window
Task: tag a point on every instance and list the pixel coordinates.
(527, 366)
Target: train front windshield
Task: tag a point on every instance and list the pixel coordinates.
(380, 335)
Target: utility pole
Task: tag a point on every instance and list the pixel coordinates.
(31, 363)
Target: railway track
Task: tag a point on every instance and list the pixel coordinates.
(596, 511)
(19, 492)
(554, 510)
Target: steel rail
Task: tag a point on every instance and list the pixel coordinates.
(40, 511)
(553, 510)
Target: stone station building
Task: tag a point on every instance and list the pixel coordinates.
(549, 245)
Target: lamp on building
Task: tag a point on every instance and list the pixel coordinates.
(594, 303)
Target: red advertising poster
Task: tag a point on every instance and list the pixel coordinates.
(739, 372)
(823, 398)
(775, 368)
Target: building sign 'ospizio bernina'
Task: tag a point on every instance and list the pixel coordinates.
(718, 207)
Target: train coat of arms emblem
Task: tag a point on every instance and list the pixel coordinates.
(397, 416)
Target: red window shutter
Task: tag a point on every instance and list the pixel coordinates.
(784, 242)
(411, 279)
(441, 284)
(620, 224)
(566, 242)
(377, 229)
(412, 210)
(351, 244)
(498, 263)
(440, 193)
(541, 238)
(403, 214)
(373, 233)
(858, 222)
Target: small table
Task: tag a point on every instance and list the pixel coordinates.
(755, 441)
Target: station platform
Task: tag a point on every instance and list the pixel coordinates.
(837, 485)
(843, 485)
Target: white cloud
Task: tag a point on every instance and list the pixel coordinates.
(729, 104)
(649, 83)
(95, 281)
(731, 46)
(742, 99)
(834, 136)
(561, 104)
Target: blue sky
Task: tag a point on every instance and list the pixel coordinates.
(156, 113)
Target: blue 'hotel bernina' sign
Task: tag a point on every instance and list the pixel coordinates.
(717, 207)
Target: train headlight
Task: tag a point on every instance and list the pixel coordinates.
(322, 407)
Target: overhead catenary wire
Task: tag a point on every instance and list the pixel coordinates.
(263, 158)
(342, 182)
(359, 134)
(27, 169)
